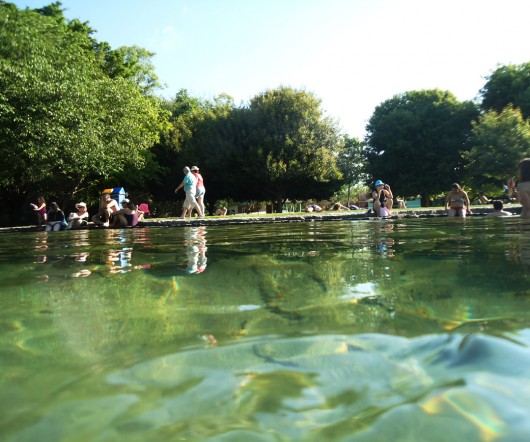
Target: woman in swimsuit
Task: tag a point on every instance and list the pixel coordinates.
(457, 202)
(40, 208)
(523, 187)
(383, 199)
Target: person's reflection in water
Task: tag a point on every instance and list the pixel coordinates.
(384, 242)
(40, 247)
(195, 241)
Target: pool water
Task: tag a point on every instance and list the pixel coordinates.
(413, 330)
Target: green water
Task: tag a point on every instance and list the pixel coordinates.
(404, 330)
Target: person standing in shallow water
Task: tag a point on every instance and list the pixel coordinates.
(523, 188)
(457, 202)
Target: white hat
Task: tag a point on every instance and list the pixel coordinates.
(81, 205)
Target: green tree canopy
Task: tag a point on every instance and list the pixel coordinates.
(499, 140)
(291, 149)
(64, 123)
(508, 85)
(414, 141)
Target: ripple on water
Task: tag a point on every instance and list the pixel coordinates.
(360, 388)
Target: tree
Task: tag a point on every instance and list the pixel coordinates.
(414, 141)
(350, 162)
(291, 149)
(499, 140)
(508, 85)
(65, 126)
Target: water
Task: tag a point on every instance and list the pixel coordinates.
(410, 330)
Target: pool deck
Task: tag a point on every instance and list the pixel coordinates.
(285, 218)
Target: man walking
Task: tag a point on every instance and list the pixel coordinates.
(190, 187)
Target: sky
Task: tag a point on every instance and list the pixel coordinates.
(351, 54)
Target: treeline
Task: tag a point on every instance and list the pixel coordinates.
(77, 116)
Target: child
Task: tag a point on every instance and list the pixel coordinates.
(40, 208)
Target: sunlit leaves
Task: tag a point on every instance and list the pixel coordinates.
(499, 140)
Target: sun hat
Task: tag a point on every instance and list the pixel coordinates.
(194, 168)
(81, 205)
(379, 183)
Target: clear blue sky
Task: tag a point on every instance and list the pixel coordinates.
(352, 54)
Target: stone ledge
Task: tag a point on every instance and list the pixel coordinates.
(240, 220)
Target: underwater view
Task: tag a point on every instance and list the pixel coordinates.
(374, 330)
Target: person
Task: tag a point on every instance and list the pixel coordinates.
(40, 208)
(143, 210)
(498, 207)
(523, 187)
(127, 216)
(221, 211)
(383, 199)
(79, 218)
(201, 190)
(107, 207)
(457, 202)
(313, 208)
(189, 183)
(339, 206)
(483, 198)
(56, 220)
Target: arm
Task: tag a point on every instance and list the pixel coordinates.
(181, 185)
(468, 204)
(447, 198)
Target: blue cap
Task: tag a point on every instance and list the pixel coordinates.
(379, 183)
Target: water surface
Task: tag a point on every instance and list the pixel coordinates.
(414, 329)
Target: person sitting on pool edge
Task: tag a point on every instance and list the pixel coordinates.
(457, 202)
(79, 218)
(383, 199)
(126, 217)
(498, 207)
(106, 209)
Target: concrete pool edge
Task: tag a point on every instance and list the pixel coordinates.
(282, 218)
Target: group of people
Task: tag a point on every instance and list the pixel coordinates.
(193, 185)
(55, 220)
(457, 203)
(109, 214)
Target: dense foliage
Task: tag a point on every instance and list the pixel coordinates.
(415, 141)
(65, 124)
(508, 86)
(499, 140)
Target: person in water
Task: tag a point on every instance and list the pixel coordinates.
(498, 207)
(457, 202)
(523, 187)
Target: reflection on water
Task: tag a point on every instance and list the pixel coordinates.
(364, 330)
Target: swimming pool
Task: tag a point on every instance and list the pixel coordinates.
(415, 329)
